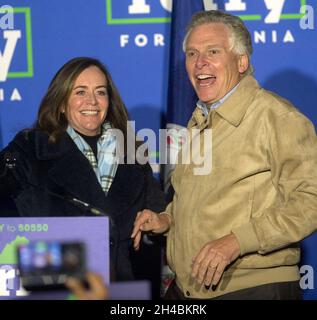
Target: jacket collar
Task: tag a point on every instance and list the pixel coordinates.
(235, 107)
(49, 151)
(72, 172)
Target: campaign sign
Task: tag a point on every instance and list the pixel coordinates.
(92, 231)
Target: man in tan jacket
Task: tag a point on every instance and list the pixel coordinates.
(233, 232)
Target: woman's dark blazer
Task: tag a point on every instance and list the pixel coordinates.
(62, 168)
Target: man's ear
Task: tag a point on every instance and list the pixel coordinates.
(243, 63)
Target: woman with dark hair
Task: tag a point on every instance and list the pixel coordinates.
(72, 152)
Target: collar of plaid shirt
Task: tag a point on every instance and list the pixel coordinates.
(106, 164)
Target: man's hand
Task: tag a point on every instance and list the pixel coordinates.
(213, 258)
(148, 220)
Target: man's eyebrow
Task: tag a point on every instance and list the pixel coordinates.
(190, 48)
(214, 45)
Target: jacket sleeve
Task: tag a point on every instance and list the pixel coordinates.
(176, 177)
(292, 157)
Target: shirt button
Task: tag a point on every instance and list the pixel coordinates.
(187, 293)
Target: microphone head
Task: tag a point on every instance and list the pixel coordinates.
(97, 212)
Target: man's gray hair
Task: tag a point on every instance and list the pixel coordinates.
(239, 38)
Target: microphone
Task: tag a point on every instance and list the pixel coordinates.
(93, 210)
(10, 164)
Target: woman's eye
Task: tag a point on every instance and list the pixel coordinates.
(101, 93)
(80, 93)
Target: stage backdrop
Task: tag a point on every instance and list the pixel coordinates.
(132, 38)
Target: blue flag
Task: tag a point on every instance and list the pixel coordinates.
(181, 95)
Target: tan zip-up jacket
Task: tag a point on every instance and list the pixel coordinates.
(262, 187)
